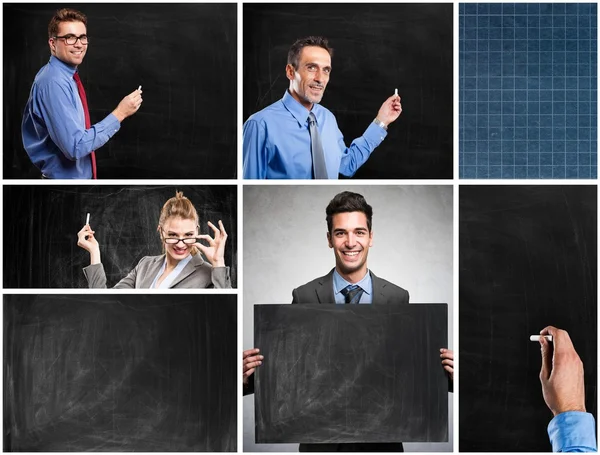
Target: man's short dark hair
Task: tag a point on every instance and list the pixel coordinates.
(348, 202)
(294, 52)
(65, 15)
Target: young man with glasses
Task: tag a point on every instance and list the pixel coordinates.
(56, 129)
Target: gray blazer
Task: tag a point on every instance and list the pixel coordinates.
(321, 291)
(196, 274)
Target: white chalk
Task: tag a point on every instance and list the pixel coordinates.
(396, 92)
(87, 220)
(140, 87)
(537, 337)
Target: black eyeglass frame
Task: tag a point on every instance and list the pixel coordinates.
(77, 38)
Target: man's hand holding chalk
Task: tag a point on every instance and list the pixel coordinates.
(390, 110)
(561, 374)
(129, 105)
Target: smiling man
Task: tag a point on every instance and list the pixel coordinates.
(349, 233)
(296, 137)
(56, 129)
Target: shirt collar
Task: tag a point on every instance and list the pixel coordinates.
(340, 283)
(299, 112)
(58, 63)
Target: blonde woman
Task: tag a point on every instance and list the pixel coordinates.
(181, 266)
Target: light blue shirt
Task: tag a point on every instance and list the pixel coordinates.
(276, 143)
(573, 431)
(53, 127)
(166, 283)
(339, 283)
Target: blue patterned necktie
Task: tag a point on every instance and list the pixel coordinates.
(353, 293)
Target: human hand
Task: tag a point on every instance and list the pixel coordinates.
(562, 373)
(215, 252)
(87, 241)
(128, 105)
(447, 357)
(250, 360)
(390, 110)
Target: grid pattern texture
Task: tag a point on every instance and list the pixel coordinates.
(528, 91)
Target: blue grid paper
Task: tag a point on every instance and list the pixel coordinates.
(528, 90)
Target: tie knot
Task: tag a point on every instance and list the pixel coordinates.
(352, 293)
(76, 77)
(311, 118)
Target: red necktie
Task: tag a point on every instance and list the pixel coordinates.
(86, 111)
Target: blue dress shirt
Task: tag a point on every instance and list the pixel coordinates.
(53, 127)
(339, 283)
(276, 143)
(573, 432)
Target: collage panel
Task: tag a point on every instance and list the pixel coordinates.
(528, 267)
(363, 91)
(373, 377)
(120, 91)
(128, 237)
(120, 373)
(528, 90)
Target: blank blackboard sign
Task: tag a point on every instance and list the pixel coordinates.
(351, 373)
(183, 55)
(120, 373)
(377, 48)
(528, 258)
(41, 225)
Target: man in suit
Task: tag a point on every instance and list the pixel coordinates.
(350, 235)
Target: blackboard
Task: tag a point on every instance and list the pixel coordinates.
(377, 48)
(41, 224)
(183, 55)
(351, 373)
(120, 373)
(527, 258)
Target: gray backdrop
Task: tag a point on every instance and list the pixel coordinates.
(285, 246)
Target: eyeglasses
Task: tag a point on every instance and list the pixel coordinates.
(174, 240)
(72, 39)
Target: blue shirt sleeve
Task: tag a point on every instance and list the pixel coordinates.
(361, 148)
(573, 431)
(64, 125)
(254, 150)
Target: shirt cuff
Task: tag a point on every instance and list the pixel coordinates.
(573, 431)
(374, 135)
(110, 124)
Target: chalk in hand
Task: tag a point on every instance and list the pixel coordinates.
(140, 87)
(396, 92)
(87, 221)
(537, 337)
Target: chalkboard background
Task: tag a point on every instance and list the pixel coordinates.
(527, 260)
(351, 373)
(41, 224)
(120, 373)
(377, 48)
(184, 56)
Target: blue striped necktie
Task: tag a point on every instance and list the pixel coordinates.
(353, 293)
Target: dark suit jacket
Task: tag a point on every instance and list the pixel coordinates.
(321, 291)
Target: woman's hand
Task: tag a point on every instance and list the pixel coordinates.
(87, 241)
(215, 252)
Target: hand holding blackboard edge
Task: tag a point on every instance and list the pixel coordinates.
(250, 361)
(572, 428)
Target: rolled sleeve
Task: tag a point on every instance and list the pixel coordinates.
(573, 432)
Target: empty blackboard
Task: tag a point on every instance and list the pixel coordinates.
(351, 373)
(41, 224)
(377, 48)
(528, 258)
(184, 57)
(120, 373)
